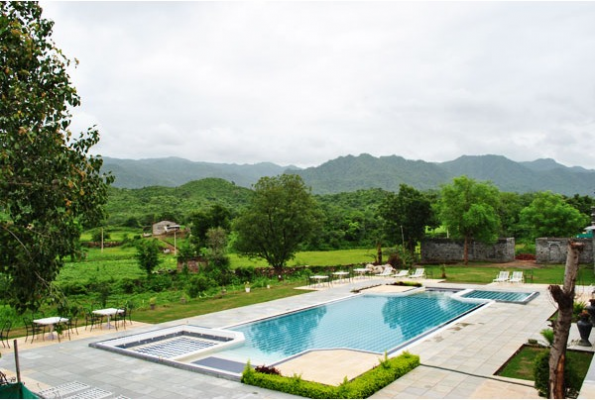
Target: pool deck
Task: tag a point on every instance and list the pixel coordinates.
(456, 362)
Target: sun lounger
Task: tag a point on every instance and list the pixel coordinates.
(517, 277)
(502, 277)
(388, 271)
(419, 273)
(401, 274)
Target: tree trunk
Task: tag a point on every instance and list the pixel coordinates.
(379, 252)
(564, 297)
(466, 250)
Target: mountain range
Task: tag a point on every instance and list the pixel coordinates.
(350, 173)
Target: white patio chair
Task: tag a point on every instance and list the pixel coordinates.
(401, 274)
(517, 277)
(502, 277)
(419, 273)
(388, 271)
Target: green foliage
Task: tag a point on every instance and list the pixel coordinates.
(361, 387)
(50, 184)
(549, 215)
(399, 257)
(198, 284)
(469, 210)
(548, 335)
(218, 266)
(281, 216)
(572, 382)
(99, 235)
(149, 203)
(147, 255)
(217, 216)
(406, 216)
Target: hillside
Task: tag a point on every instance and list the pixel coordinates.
(173, 172)
(144, 203)
(351, 173)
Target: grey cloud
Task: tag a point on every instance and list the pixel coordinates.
(304, 82)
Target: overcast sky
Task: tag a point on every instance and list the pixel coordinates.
(305, 82)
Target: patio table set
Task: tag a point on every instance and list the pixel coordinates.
(56, 326)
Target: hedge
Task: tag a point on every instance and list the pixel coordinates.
(360, 387)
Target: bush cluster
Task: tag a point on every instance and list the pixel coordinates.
(541, 370)
(361, 387)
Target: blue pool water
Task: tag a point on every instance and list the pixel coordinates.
(508, 297)
(368, 323)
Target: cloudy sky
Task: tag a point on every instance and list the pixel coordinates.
(305, 82)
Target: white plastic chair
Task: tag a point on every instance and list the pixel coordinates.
(517, 277)
(388, 271)
(419, 273)
(401, 274)
(502, 277)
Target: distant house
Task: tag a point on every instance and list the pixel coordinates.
(164, 227)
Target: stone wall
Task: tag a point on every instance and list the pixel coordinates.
(448, 250)
(553, 250)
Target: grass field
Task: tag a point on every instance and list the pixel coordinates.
(520, 366)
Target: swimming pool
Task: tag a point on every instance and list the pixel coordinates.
(369, 323)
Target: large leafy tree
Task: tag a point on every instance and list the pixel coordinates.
(49, 185)
(550, 215)
(468, 209)
(217, 216)
(406, 216)
(281, 216)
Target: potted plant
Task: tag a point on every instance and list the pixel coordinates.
(247, 287)
(152, 302)
(584, 327)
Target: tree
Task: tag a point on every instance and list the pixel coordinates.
(49, 185)
(564, 296)
(282, 215)
(406, 216)
(147, 255)
(469, 210)
(217, 216)
(219, 263)
(549, 215)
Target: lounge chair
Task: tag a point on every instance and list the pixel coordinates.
(502, 277)
(388, 271)
(517, 277)
(401, 274)
(419, 273)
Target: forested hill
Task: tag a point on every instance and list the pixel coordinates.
(350, 173)
(173, 171)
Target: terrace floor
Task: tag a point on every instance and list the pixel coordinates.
(457, 362)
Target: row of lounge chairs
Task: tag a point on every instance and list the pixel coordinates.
(505, 277)
(404, 273)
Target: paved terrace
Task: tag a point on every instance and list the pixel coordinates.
(457, 362)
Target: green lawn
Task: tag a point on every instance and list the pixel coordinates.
(520, 366)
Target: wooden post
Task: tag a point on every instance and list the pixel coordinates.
(561, 326)
(16, 360)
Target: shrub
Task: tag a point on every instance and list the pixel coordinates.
(199, 283)
(541, 370)
(361, 387)
(245, 273)
(399, 257)
(159, 283)
(548, 335)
